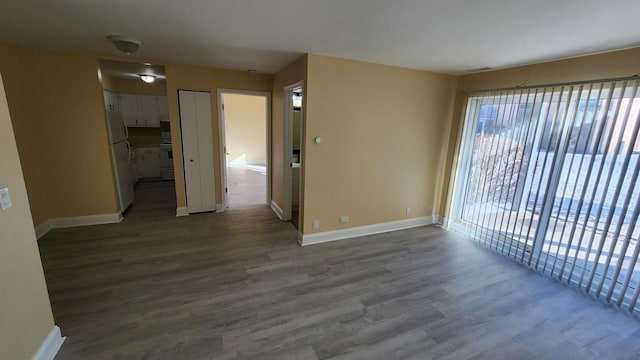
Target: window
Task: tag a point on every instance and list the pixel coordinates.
(549, 177)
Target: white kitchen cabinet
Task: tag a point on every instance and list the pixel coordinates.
(148, 111)
(134, 165)
(162, 105)
(140, 110)
(148, 162)
(112, 101)
(129, 105)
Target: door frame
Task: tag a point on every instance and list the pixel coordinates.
(223, 142)
(288, 152)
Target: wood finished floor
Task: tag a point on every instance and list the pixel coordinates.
(237, 285)
(247, 186)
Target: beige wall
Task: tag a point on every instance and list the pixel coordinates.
(58, 115)
(291, 74)
(187, 77)
(245, 125)
(25, 313)
(108, 82)
(383, 137)
(609, 65)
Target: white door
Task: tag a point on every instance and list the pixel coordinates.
(197, 150)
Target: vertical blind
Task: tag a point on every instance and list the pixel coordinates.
(548, 176)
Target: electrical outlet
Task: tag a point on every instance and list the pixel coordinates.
(428, 208)
(408, 211)
(316, 224)
(344, 219)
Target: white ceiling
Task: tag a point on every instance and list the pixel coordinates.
(448, 36)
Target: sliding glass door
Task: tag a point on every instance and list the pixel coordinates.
(549, 177)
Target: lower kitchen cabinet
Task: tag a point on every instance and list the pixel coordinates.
(148, 162)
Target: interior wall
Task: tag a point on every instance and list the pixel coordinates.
(108, 82)
(24, 127)
(245, 121)
(608, 65)
(292, 73)
(382, 132)
(188, 77)
(58, 116)
(26, 318)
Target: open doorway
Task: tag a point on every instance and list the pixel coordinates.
(137, 115)
(244, 126)
(293, 153)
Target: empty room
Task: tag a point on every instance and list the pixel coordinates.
(319, 180)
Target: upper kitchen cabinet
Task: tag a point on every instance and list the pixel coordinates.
(163, 107)
(143, 110)
(148, 111)
(112, 101)
(129, 105)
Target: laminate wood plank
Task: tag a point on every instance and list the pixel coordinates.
(237, 285)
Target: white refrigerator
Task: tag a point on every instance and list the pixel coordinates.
(121, 157)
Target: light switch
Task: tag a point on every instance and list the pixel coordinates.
(5, 199)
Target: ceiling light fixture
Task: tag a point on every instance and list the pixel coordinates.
(147, 78)
(125, 44)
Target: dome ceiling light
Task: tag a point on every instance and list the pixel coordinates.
(125, 44)
(147, 78)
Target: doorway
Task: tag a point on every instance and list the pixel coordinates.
(137, 116)
(244, 132)
(293, 153)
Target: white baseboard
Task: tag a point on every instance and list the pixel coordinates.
(43, 228)
(182, 211)
(86, 220)
(49, 348)
(277, 210)
(437, 219)
(327, 236)
(219, 207)
(74, 221)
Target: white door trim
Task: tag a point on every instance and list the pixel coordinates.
(288, 149)
(223, 139)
